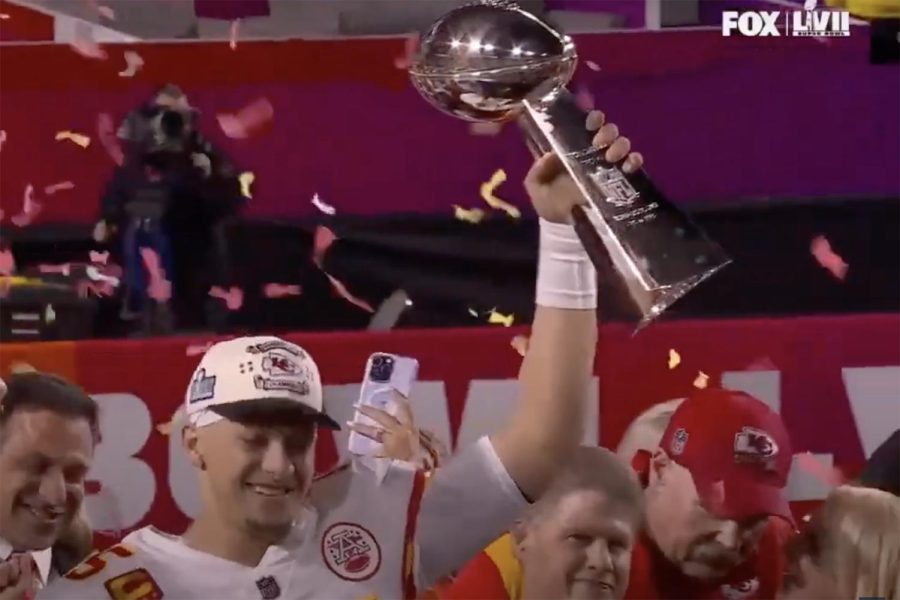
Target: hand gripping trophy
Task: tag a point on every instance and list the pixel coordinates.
(492, 61)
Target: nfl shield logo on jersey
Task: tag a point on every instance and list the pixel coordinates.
(268, 588)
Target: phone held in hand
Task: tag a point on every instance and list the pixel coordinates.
(384, 374)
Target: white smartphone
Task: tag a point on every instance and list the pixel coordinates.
(384, 374)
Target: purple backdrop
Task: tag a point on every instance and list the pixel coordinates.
(717, 119)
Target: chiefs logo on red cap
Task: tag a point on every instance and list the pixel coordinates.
(755, 446)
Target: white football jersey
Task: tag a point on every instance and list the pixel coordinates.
(383, 533)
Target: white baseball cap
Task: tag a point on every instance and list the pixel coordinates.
(234, 377)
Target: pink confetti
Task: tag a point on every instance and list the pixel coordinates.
(99, 257)
(277, 290)
(592, 65)
(84, 44)
(247, 121)
(159, 288)
(825, 256)
(63, 269)
(344, 293)
(763, 363)
(584, 99)
(104, 11)
(234, 297)
(323, 238)
(410, 46)
(197, 349)
(30, 208)
(7, 262)
(133, 64)
(100, 289)
(106, 133)
(831, 476)
(58, 187)
(485, 128)
(233, 34)
(2, 137)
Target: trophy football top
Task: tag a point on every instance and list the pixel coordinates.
(478, 62)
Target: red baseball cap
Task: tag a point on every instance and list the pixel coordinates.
(736, 449)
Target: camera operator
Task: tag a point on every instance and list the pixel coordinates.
(174, 194)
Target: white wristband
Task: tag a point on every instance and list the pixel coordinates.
(566, 276)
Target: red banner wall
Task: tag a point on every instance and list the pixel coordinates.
(836, 381)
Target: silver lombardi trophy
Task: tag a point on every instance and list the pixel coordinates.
(495, 62)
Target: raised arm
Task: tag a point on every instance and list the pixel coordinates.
(548, 422)
(477, 494)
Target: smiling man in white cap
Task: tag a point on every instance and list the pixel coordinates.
(265, 530)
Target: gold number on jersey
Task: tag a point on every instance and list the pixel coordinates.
(96, 562)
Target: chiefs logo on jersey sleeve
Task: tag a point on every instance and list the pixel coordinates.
(133, 585)
(351, 551)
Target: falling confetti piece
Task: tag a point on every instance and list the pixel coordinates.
(2, 137)
(49, 314)
(58, 187)
(322, 206)
(487, 194)
(99, 257)
(277, 290)
(133, 64)
(584, 99)
(763, 363)
(520, 343)
(76, 138)
(63, 269)
(108, 283)
(828, 258)
(248, 120)
(592, 65)
(30, 208)
(830, 476)
(233, 297)
(84, 44)
(105, 132)
(21, 367)
(104, 11)
(165, 428)
(7, 262)
(702, 380)
(344, 293)
(158, 288)
(674, 359)
(496, 318)
(233, 34)
(246, 179)
(471, 215)
(410, 46)
(474, 313)
(3, 16)
(323, 238)
(807, 518)
(485, 128)
(197, 349)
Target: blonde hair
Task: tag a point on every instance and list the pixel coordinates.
(855, 540)
(862, 541)
(646, 430)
